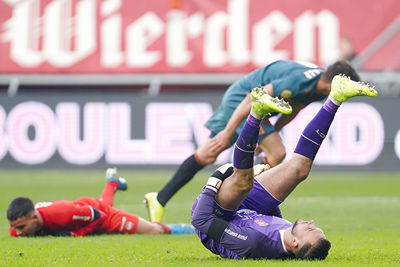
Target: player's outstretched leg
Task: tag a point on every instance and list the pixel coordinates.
(342, 88)
(154, 208)
(112, 176)
(157, 201)
(173, 229)
(263, 104)
(281, 180)
(113, 183)
(237, 187)
(181, 229)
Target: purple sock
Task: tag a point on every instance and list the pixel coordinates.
(243, 154)
(316, 130)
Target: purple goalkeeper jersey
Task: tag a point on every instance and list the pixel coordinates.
(249, 233)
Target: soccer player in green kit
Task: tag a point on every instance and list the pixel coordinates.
(298, 83)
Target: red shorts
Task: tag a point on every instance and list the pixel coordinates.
(118, 221)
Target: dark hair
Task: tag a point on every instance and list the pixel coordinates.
(317, 252)
(341, 67)
(19, 207)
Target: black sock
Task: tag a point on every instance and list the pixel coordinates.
(182, 176)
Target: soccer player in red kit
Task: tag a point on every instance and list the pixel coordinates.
(84, 216)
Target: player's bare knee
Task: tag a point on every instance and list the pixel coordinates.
(209, 159)
(301, 167)
(277, 158)
(205, 158)
(276, 155)
(244, 181)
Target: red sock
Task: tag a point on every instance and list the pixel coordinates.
(108, 192)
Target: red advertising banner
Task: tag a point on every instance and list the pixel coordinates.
(192, 36)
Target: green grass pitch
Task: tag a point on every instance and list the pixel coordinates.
(359, 212)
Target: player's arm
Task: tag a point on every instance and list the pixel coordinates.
(95, 225)
(222, 139)
(285, 119)
(80, 219)
(240, 113)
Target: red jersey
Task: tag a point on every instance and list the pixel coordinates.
(83, 216)
(80, 217)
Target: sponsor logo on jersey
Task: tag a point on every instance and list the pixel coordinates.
(234, 234)
(286, 93)
(129, 225)
(260, 222)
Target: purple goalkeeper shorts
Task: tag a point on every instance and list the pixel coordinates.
(259, 200)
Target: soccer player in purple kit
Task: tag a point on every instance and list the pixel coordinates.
(232, 215)
(298, 83)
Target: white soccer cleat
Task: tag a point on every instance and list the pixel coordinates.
(260, 168)
(112, 175)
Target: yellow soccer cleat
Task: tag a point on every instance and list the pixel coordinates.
(263, 104)
(154, 208)
(343, 88)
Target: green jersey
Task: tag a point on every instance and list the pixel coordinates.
(291, 80)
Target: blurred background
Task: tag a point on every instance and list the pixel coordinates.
(94, 83)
